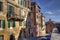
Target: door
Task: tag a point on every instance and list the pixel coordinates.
(12, 37)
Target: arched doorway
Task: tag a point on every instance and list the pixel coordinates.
(22, 34)
(12, 37)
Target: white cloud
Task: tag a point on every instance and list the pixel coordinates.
(49, 12)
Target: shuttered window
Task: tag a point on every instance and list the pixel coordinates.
(2, 24)
(11, 24)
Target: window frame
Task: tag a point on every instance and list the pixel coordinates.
(11, 24)
(2, 26)
(22, 2)
(10, 9)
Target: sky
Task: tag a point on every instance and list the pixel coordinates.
(50, 9)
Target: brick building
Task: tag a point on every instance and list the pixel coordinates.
(49, 26)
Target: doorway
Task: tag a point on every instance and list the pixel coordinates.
(12, 37)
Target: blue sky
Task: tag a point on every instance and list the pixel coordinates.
(50, 9)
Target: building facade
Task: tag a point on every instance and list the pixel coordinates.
(49, 26)
(13, 15)
(43, 26)
(37, 21)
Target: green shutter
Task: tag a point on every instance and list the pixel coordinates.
(8, 24)
(3, 23)
(13, 23)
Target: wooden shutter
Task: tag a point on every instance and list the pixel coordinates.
(3, 23)
(8, 24)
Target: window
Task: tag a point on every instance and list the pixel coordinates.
(19, 1)
(20, 23)
(2, 23)
(10, 9)
(20, 12)
(1, 6)
(38, 16)
(11, 24)
(22, 2)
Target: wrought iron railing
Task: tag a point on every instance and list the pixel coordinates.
(14, 16)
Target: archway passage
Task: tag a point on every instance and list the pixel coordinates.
(12, 37)
(22, 34)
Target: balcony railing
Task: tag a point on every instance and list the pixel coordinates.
(14, 16)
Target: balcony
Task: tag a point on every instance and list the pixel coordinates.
(14, 16)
